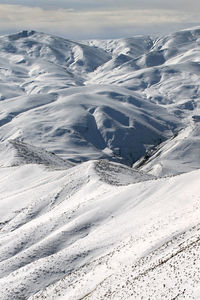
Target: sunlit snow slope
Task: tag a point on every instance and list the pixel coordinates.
(100, 167)
(82, 234)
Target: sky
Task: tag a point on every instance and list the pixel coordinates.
(89, 19)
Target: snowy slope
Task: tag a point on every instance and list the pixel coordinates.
(87, 123)
(88, 239)
(177, 155)
(77, 221)
(16, 153)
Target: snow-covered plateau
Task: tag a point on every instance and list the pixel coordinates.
(100, 167)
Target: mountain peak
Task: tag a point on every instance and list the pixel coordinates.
(22, 34)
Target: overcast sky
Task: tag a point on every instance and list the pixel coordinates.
(83, 19)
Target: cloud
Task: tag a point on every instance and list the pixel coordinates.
(193, 5)
(89, 23)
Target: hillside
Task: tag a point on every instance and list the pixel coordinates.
(99, 167)
(87, 238)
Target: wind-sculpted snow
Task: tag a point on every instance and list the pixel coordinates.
(99, 167)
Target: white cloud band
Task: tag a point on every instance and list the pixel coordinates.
(14, 17)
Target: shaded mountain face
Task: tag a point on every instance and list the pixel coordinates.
(113, 99)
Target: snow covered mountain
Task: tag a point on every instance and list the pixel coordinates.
(99, 167)
(101, 99)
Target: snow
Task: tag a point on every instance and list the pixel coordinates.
(99, 167)
(74, 224)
